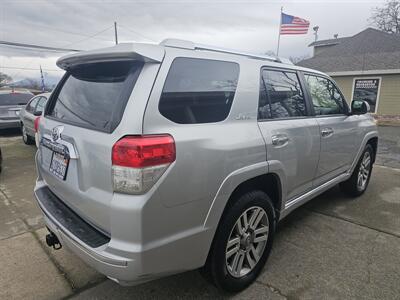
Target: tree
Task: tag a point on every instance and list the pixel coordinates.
(4, 79)
(296, 59)
(387, 17)
(270, 53)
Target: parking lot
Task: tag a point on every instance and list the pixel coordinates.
(334, 247)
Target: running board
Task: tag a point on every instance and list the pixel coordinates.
(296, 202)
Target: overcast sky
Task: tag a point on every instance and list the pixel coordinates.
(245, 25)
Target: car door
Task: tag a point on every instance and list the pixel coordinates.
(28, 117)
(290, 132)
(338, 129)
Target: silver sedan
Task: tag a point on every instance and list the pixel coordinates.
(29, 113)
(11, 102)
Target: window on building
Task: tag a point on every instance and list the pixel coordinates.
(326, 98)
(281, 95)
(199, 90)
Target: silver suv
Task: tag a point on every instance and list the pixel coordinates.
(157, 159)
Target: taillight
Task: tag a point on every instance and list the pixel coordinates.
(139, 161)
(36, 124)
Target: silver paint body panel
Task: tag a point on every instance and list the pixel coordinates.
(170, 228)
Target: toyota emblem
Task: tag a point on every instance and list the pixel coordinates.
(56, 133)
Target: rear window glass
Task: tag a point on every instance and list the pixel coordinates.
(95, 95)
(15, 98)
(199, 90)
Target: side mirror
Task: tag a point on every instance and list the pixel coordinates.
(37, 113)
(360, 107)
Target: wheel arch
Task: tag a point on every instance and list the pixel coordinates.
(249, 178)
(370, 138)
(374, 144)
(269, 183)
(239, 182)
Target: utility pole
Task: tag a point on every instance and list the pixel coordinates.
(116, 33)
(42, 78)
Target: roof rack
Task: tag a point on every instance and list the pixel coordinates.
(176, 43)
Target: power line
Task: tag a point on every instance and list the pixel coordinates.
(38, 47)
(137, 33)
(30, 69)
(69, 32)
(89, 37)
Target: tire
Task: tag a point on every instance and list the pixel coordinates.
(219, 268)
(354, 186)
(26, 138)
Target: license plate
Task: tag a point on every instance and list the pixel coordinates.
(59, 165)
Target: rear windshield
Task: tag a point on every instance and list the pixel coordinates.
(15, 99)
(95, 95)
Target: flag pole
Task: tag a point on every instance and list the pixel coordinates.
(279, 31)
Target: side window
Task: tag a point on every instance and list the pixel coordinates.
(32, 104)
(326, 98)
(40, 105)
(198, 90)
(281, 95)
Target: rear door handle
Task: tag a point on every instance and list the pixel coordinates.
(280, 140)
(326, 132)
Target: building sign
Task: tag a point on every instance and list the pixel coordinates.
(367, 90)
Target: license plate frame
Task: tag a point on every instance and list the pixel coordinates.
(59, 165)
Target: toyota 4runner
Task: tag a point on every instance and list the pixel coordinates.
(157, 159)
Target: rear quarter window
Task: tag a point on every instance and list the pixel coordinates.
(199, 90)
(95, 95)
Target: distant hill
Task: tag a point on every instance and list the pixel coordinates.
(50, 82)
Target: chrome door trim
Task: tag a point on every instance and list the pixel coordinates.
(296, 202)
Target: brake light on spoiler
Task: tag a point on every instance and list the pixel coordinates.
(139, 161)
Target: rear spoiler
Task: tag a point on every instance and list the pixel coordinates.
(126, 51)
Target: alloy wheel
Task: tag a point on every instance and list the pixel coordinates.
(247, 241)
(363, 172)
(24, 134)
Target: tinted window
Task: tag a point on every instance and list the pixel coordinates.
(326, 98)
(15, 98)
(264, 107)
(198, 90)
(40, 105)
(281, 95)
(95, 95)
(31, 106)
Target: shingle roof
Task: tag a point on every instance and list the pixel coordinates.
(370, 49)
(328, 42)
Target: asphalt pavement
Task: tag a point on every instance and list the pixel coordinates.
(334, 247)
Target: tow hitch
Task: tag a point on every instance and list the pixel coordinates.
(52, 241)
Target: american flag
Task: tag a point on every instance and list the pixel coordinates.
(293, 25)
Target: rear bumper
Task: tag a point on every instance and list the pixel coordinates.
(11, 123)
(125, 261)
(99, 255)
